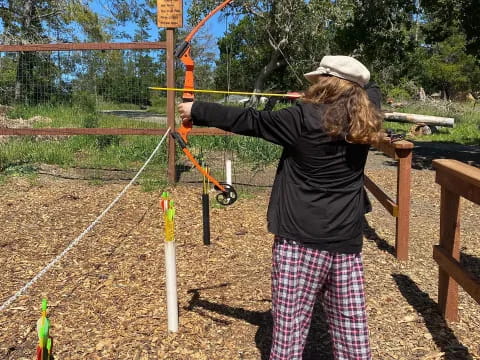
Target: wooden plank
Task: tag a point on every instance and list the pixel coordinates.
(84, 46)
(383, 198)
(459, 186)
(459, 178)
(450, 243)
(390, 149)
(467, 172)
(464, 278)
(102, 131)
(402, 227)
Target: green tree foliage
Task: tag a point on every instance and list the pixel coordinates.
(450, 60)
(37, 75)
(406, 44)
(243, 51)
(449, 68)
(441, 19)
(381, 34)
(471, 25)
(268, 46)
(270, 34)
(125, 79)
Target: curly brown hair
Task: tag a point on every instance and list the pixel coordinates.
(349, 113)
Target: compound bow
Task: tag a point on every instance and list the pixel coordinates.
(227, 194)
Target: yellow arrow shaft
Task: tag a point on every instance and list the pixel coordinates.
(216, 91)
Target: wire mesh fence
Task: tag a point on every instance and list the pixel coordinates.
(75, 88)
(111, 77)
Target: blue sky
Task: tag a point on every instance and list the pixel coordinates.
(216, 25)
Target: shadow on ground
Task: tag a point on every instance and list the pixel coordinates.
(318, 342)
(371, 235)
(442, 335)
(471, 263)
(424, 153)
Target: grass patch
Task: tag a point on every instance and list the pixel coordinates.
(257, 152)
(150, 184)
(130, 152)
(96, 182)
(24, 169)
(467, 123)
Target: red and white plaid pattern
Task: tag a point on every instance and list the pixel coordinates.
(299, 275)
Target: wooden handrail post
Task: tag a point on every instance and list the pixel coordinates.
(403, 202)
(450, 242)
(402, 152)
(457, 180)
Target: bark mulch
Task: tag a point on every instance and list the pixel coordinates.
(107, 295)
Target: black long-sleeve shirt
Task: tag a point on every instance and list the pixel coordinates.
(317, 196)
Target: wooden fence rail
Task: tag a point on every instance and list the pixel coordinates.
(457, 180)
(400, 209)
(101, 131)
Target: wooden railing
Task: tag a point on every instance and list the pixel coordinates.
(400, 209)
(456, 180)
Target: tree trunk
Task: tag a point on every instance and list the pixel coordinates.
(266, 71)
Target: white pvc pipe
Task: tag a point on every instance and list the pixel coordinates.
(228, 171)
(171, 285)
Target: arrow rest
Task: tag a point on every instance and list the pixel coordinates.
(227, 196)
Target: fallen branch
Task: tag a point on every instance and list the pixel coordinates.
(419, 119)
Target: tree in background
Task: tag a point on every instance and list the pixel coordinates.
(450, 45)
(469, 19)
(268, 45)
(382, 35)
(46, 76)
(449, 68)
(275, 42)
(28, 22)
(403, 42)
(261, 43)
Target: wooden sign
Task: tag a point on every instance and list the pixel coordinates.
(169, 13)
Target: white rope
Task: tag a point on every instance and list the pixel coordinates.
(80, 237)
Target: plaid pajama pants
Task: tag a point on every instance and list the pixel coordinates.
(299, 275)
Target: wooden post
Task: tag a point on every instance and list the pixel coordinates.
(171, 172)
(449, 241)
(403, 202)
(457, 180)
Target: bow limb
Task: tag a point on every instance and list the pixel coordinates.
(227, 195)
(183, 53)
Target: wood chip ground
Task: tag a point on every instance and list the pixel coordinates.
(107, 295)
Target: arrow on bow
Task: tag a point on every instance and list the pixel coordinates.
(227, 194)
(289, 95)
